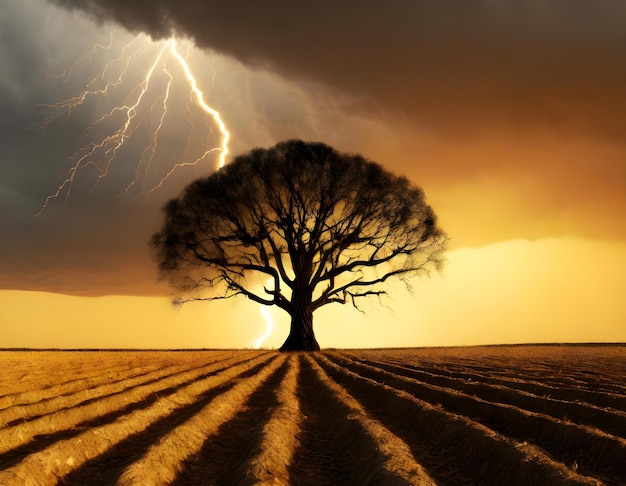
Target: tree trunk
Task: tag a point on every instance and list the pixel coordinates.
(301, 336)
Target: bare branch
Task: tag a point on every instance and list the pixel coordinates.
(314, 221)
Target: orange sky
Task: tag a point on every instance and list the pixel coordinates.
(550, 290)
(512, 123)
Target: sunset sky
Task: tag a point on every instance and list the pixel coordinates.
(510, 115)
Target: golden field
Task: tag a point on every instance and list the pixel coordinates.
(480, 415)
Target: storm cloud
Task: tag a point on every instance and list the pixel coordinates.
(459, 66)
(510, 114)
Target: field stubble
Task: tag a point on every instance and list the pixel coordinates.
(490, 415)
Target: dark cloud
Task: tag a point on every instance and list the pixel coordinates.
(445, 63)
(80, 241)
(509, 113)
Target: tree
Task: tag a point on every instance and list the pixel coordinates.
(313, 225)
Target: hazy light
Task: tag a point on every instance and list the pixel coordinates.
(269, 326)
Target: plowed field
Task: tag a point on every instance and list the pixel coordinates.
(526, 415)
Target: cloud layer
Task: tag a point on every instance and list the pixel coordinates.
(459, 66)
(527, 95)
(510, 114)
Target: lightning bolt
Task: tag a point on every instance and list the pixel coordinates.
(66, 73)
(142, 103)
(154, 139)
(269, 326)
(269, 323)
(211, 111)
(101, 153)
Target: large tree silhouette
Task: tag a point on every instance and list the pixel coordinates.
(299, 226)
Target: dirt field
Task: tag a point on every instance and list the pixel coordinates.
(491, 415)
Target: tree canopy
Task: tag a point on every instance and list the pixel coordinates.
(299, 226)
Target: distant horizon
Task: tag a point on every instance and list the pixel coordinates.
(504, 345)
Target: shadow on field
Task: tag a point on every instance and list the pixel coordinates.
(224, 457)
(107, 468)
(42, 441)
(334, 449)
